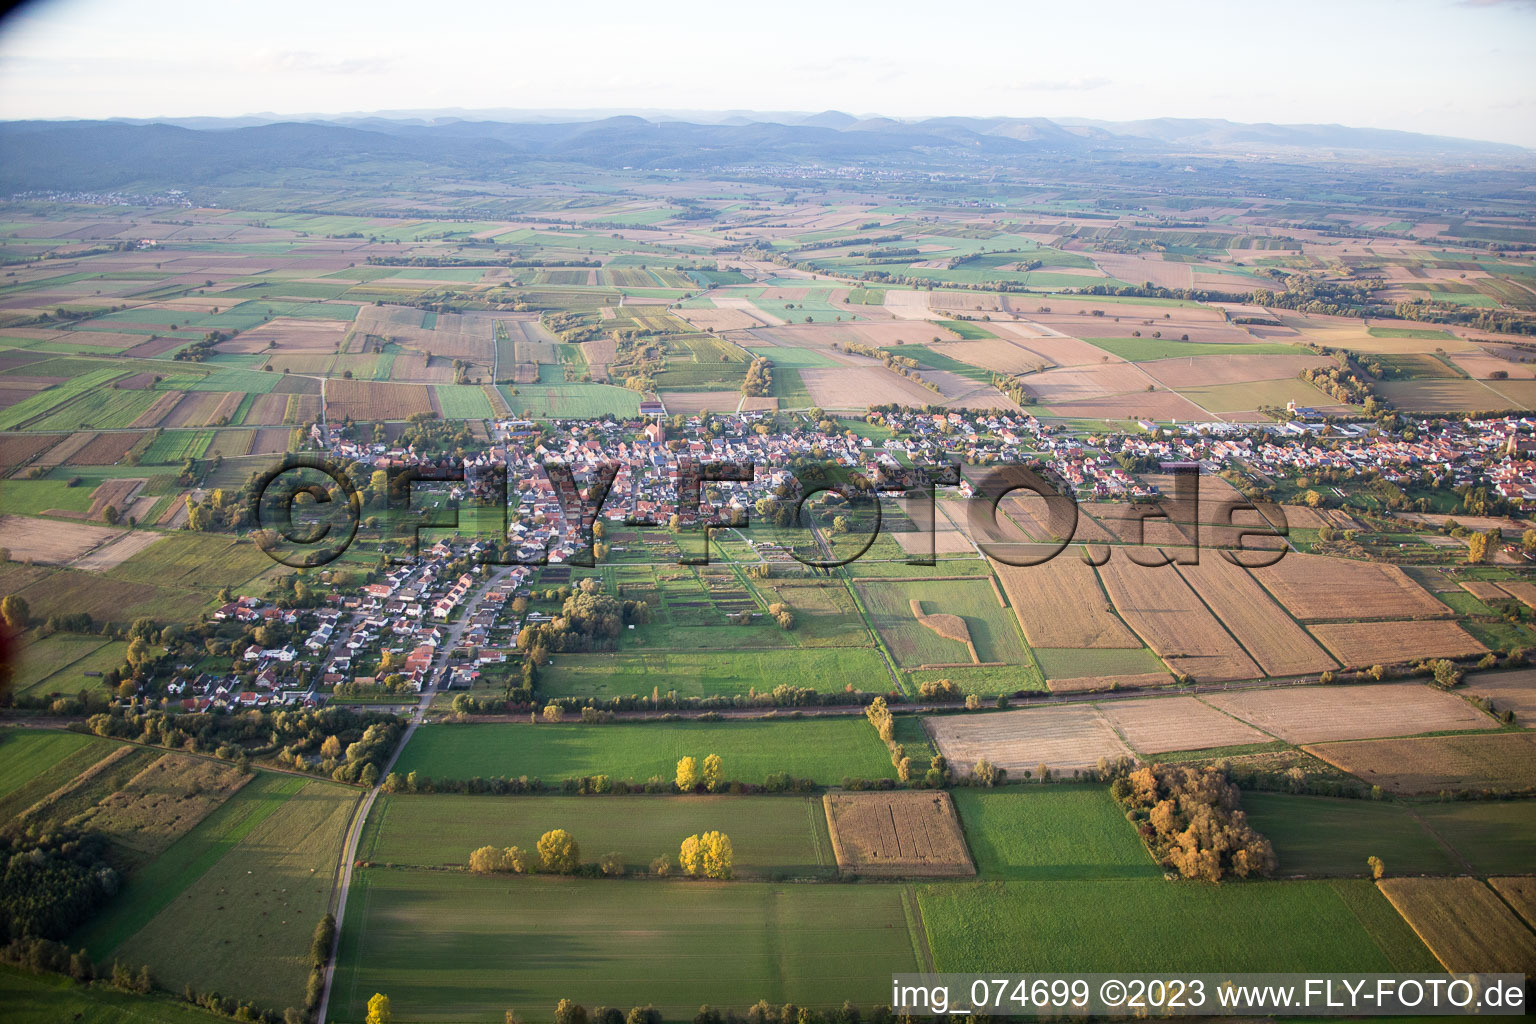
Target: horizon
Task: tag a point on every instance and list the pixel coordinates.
(61, 59)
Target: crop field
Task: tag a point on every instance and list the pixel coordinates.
(1276, 642)
(1156, 725)
(1061, 738)
(1431, 764)
(48, 998)
(990, 634)
(1362, 644)
(1494, 836)
(1060, 603)
(771, 836)
(1167, 614)
(245, 924)
(570, 401)
(370, 400)
(1315, 835)
(711, 671)
(1316, 714)
(1464, 923)
(1149, 925)
(1519, 893)
(1313, 588)
(440, 943)
(1511, 691)
(45, 657)
(1043, 833)
(826, 749)
(901, 834)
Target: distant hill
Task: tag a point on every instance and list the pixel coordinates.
(124, 154)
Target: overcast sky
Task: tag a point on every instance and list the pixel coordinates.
(1450, 67)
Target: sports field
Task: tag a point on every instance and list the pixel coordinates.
(447, 946)
(824, 749)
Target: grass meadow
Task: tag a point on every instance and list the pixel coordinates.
(447, 946)
(1039, 833)
(771, 835)
(1323, 836)
(824, 749)
(1146, 925)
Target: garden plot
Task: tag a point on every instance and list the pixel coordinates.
(897, 834)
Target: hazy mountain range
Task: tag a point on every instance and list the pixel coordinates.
(127, 153)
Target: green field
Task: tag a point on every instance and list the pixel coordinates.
(772, 836)
(991, 626)
(1321, 836)
(1074, 663)
(1050, 833)
(244, 924)
(824, 749)
(195, 560)
(50, 998)
(35, 762)
(570, 401)
(1496, 838)
(1142, 925)
(1417, 333)
(454, 947)
(969, 330)
(709, 672)
(1141, 350)
(463, 402)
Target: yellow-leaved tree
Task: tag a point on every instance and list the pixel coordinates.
(558, 852)
(378, 1009)
(714, 773)
(687, 775)
(707, 856)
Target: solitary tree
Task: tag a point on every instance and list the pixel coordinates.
(558, 852)
(378, 1009)
(16, 612)
(1377, 867)
(687, 775)
(714, 773)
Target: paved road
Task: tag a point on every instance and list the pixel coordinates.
(355, 830)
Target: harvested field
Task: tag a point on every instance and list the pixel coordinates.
(1272, 637)
(1521, 591)
(1431, 764)
(65, 449)
(51, 542)
(105, 449)
(1165, 612)
(1520, 893)
(1062, 738)
(1059, 603)
(116, 493)
(157, 411)
(1464, 924)
(1159, 406)
(1091, 684)
(720, 319)
(1314, 587)
(1486, 591)
(1188, 372)
(17, 449)
(997, 354)
(940, 542)
(373, 400)
(1072, 384)
(1512, 691)
(858, 387)
(898, 834)
(1159, 724)
(115, 552)
(1314, 714)
(267, 409)
(164, 801)
(1362, 644)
